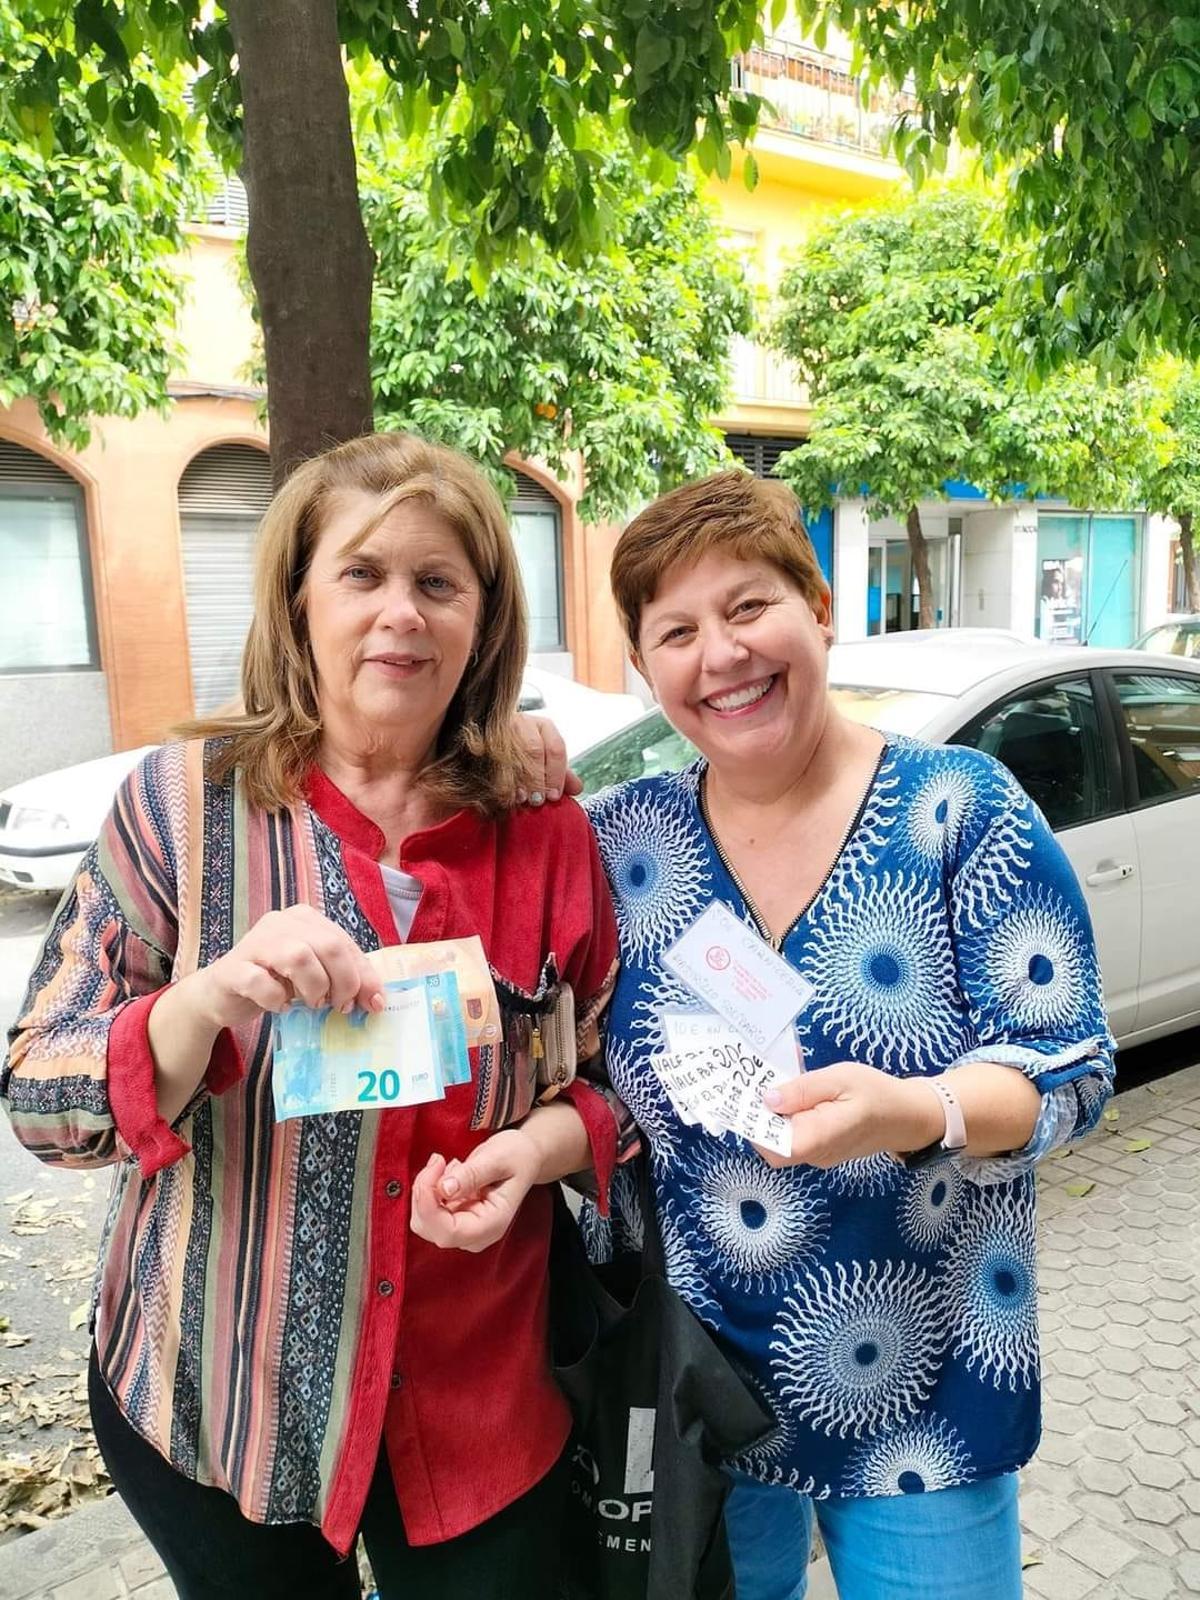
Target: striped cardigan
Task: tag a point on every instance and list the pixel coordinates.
(263, 1313)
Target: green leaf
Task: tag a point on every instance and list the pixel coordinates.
(750, 171)
(1138, 122)
(1079, 1188)
(1136, 1146)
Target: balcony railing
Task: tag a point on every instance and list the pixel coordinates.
(764, 377)
(816, 96)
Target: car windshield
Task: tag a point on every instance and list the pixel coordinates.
(648, 746)
(892, 710)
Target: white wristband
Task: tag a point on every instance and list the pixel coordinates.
(955, 1135)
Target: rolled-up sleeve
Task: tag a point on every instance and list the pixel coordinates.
(1028, 970)
(591, 969)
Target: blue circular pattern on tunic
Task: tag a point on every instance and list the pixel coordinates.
(860, 1347)
(921, 1457)
(991, 1282)
(883, 969)
(654, 853)
(752, 1224)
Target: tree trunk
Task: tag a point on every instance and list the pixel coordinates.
(1187, 546)
(920, 560)
(307, 248)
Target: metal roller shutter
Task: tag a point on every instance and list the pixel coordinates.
(222, 497)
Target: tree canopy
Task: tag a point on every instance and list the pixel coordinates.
(511, 89)
(622, 356)
(88, 283)
(1172, 481)
(885, 314)
(1092, 114)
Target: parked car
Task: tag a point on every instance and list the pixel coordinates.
(1179, 637)
(1106, 741)
(47, 823)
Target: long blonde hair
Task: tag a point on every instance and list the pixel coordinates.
(274, 738)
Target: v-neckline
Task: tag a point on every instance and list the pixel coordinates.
(778, 944)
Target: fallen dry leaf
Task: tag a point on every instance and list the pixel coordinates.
(1080, 1187)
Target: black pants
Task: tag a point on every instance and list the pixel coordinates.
(213, 1552)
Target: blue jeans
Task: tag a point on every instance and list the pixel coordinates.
(949, 1544)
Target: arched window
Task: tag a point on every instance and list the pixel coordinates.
(45, 569)
(222, 496)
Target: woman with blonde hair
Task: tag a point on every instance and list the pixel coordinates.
(286, 1348)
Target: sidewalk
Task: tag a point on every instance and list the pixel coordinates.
(1111, 1506)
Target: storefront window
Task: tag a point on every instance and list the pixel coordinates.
(1088, 578)
(44, 579)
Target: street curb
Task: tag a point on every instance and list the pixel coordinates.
(88, 1540)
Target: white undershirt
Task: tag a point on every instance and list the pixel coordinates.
(403, 892)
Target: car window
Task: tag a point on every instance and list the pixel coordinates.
(649, 746)
(1049, 739)
(1161, 713)
(1173, 639)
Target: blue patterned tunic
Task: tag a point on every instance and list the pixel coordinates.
(890, 1317)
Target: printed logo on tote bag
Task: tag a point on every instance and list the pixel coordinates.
(636, 1500)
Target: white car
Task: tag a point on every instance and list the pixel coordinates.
(582, 715)
(1106, 741)
(47, 823)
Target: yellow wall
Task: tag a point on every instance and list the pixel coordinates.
(215, 325)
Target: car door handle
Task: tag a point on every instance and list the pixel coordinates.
(1110, 874)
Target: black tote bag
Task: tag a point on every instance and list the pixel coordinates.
(656, 1406)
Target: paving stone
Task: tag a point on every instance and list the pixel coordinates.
(1098, 1548)
(101, 1584)
(1189, 1572)
(140, 1566)
(1170, 1384)
(1104, 1477)
(1144, 1581)
(1059, 1451)
(1046, 1515)
(1156, 1472)
(157, 1589)
(1190, 1495)
(1157, 1538)
(1121, 1337)
(1166, 1356)
(1189, 1531)
(1070, 1420)
(1131, 1315)
(1115, 1385)
(1168, 1332)
(1060, 1577)
(1127, 1361)
(1107, 1413)
(1153, 1505)
(1157, 1408)
(1171, 1310)
(1109, 1443)
(1082, 1340)
(1160, 1440)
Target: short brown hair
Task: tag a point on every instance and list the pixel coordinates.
(275, 736)
(747, 517)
